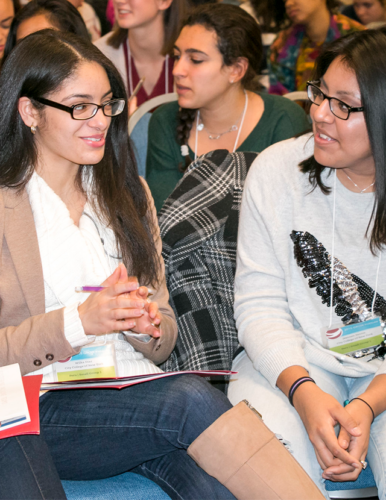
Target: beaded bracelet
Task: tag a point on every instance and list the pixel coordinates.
(296, 385)
(366, 403)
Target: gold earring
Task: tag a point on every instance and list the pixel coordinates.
(33, 129)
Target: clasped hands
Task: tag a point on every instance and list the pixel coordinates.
(123, 305)
(339, 457)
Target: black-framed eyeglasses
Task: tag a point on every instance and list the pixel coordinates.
(338, 108)
(86, 110)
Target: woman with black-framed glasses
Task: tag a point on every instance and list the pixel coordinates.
(337, 107)
(310, 286)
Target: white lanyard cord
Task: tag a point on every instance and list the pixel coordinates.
(196, 140)
(332, 262)
(332, 252)
(131, 76)
(376, 285)
(238, 133)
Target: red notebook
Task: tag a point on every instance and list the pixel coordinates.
(31, 385)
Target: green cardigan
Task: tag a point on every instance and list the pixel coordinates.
(281, 120)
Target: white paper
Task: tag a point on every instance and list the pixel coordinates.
(13, 403)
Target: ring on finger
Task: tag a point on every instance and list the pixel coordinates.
(364, 464)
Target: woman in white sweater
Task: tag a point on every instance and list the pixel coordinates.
(309, 202)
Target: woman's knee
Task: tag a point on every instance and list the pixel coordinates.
(200, 398)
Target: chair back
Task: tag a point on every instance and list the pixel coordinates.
(149, 106)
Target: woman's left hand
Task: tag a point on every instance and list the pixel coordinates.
(149, 323)
(356, 446)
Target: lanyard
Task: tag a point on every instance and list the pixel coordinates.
(127, 52)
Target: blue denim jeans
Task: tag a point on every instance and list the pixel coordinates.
(27, 471)
(283, 419)
(146, 428)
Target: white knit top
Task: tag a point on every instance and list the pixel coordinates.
(73, 256)
(279, 317)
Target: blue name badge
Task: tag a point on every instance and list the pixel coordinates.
(347, 339)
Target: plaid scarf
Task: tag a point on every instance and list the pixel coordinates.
(199, 224)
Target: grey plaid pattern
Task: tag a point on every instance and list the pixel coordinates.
(199, 223)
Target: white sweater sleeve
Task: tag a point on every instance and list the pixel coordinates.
(73, 328)
(263, 318)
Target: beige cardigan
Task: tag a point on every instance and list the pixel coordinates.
(28, 335)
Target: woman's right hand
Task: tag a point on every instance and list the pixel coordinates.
(320, 412)
(112, 309)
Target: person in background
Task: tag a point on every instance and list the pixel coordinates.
(265, 13)
(371, 13)
(217, 60)
(311, 274)
(7, 13)
(291, 57)
(141, 44)
(349, 11)
(41, 14)
(90, 18)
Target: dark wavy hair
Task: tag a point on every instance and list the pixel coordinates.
(238, 35)
(38, 66)
(364, 53)
(172, 22)
(61, 14)
(272, 15)
(16, 6)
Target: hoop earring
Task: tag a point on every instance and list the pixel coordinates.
(33, 129)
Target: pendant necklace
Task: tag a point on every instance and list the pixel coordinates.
(200, 126)
(212, 135)
(356, 185)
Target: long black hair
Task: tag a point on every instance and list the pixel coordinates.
(16, 6)
(238, 35)
(363, 52)
(61, 14)
(38, 66)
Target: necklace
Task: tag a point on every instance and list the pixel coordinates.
(126, 49)
(198, 125)
(212, 135)
(356, 185)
